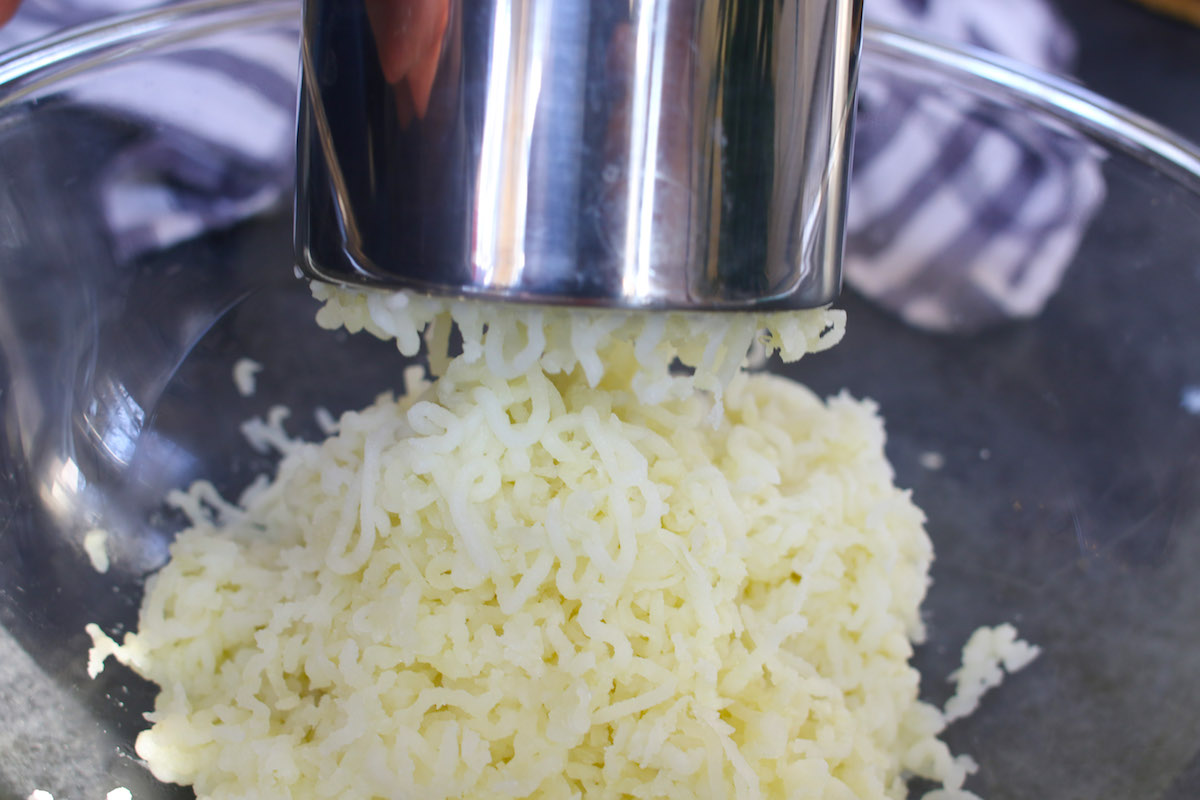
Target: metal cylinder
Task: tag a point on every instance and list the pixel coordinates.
(635, 153)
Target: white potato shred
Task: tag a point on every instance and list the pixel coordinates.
(558, 571)
(95, 545)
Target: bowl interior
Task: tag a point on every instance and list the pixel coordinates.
(1057, 456)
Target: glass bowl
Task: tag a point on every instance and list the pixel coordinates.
(1049, 428)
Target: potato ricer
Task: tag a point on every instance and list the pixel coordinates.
(645, 154)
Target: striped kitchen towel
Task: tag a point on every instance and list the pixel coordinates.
(217, 125)
(965, 214)
(961, 215)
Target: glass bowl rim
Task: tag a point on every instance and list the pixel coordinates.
(44, 62)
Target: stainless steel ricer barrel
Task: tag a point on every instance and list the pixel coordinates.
(685, 154)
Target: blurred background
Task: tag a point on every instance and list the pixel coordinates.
(1147, 61)
(1144, 54)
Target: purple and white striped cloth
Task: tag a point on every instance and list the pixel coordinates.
(219, 125)
(960, 216)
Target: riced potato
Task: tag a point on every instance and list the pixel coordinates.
(561, 570)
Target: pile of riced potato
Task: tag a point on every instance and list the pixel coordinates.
(566, 568)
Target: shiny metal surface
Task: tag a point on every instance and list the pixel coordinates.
(650, 154)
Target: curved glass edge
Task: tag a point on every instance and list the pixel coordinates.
(43, 62)
(1057, 97)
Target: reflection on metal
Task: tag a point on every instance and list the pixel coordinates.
(503, 173)
(314, 113)
(647, 154)
(646, 112)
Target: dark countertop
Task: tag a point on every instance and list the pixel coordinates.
(1144, 60)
